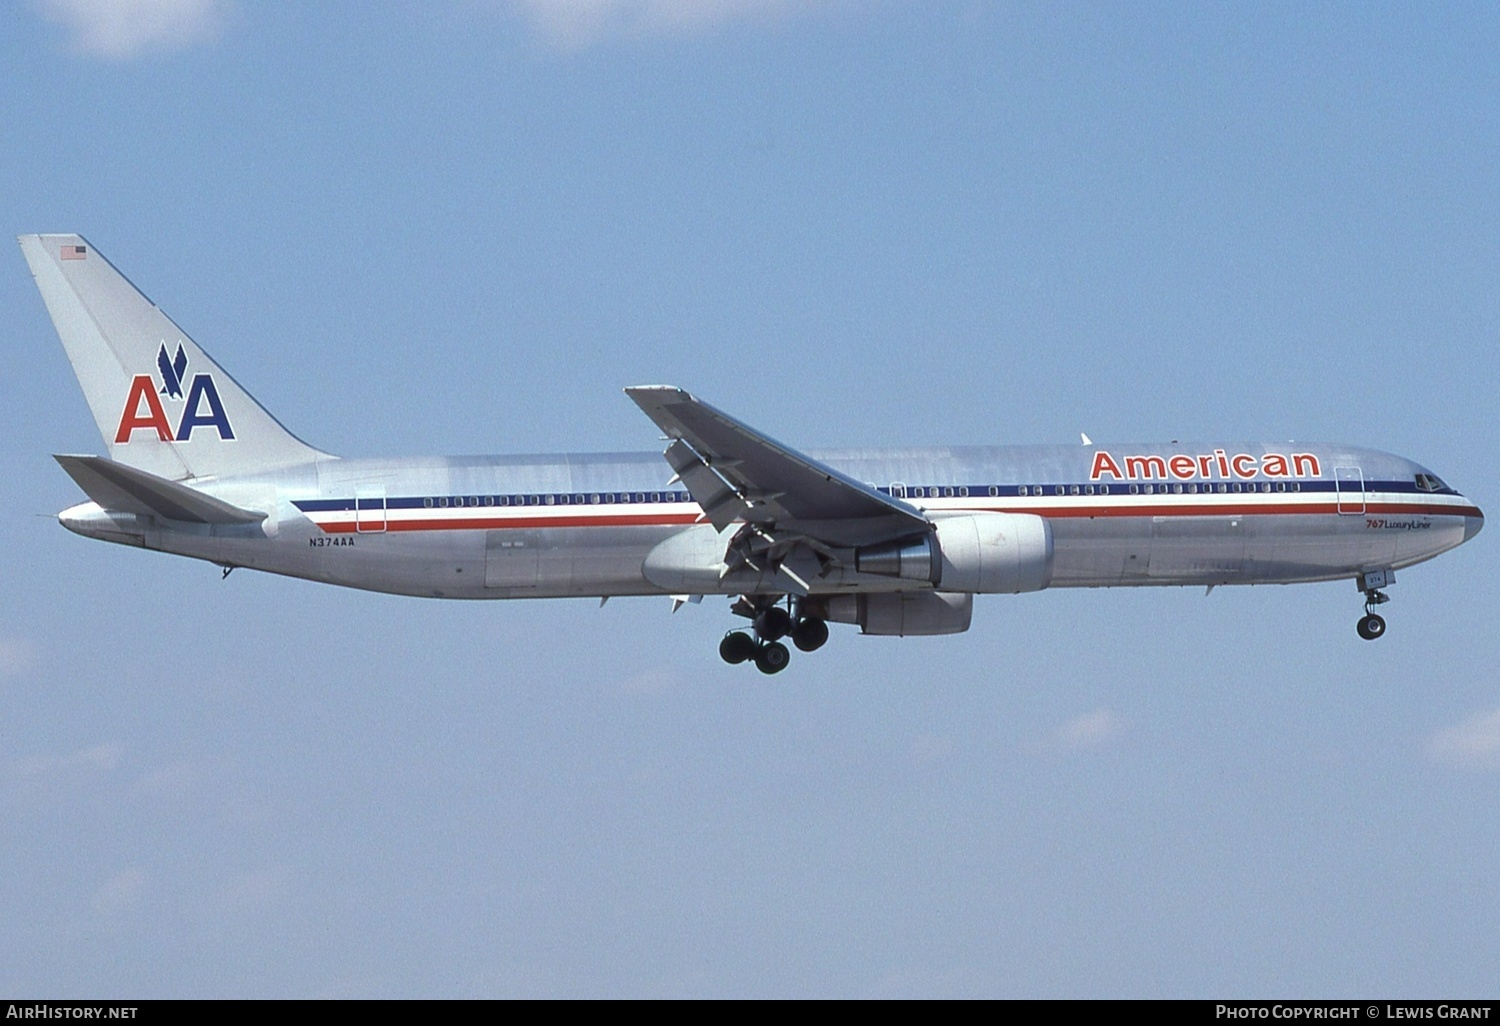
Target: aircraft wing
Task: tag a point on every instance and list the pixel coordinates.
(737, 473)
(125, 489)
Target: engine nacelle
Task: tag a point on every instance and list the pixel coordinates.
(979, 553)
(902, 613)
(995, 553)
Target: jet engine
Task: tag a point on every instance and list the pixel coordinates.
(900, 613)
(978, 553)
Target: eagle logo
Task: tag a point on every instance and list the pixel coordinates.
(172, 371)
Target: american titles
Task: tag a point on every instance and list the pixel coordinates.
(1217, 464)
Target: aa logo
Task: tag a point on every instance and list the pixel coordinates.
(201, 408)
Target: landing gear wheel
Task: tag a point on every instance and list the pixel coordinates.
(1371, 626)
(772, 657)
(773, 623)
(810, 634)
(736, 647)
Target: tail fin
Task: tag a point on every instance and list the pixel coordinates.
(162, 404)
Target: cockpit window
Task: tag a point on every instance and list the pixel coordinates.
(1430, 483)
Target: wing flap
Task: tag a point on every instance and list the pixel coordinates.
(736, 472)
(720, 500)
(123, 489)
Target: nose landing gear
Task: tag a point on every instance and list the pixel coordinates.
(1372, 624)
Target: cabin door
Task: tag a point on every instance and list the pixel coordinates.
(369, 509)
(1350, 483)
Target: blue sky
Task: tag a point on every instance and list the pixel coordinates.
(463, 226)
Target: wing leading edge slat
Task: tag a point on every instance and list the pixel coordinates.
(737, 473)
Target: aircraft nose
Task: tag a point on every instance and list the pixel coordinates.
(1473, 524)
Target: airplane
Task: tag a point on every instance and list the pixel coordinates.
(897, 541)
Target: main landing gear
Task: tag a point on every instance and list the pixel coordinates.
(1372, 624)
(769, 623)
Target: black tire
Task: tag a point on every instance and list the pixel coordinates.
(736, 647)
(773, 624)
(772, 657)
(1371, 626)
(810, 634)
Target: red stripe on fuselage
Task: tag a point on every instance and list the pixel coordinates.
(1050, 512)
(509, 523)
(1278, 509)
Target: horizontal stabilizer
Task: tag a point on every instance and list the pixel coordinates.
(123, 489)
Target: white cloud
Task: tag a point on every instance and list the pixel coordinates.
(16, 656)
(250, 893)
(51, 778)
(918, 982)
(1090, 730)
(121, 29)
(169, 783)
(1472, 744)
(99, 758)
(574, 24)
(120, 892)
(649, 682)
(930, 748)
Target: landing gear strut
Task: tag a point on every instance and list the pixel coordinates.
(770, 622)
(1372, 624)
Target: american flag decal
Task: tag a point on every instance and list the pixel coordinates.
(75, 252)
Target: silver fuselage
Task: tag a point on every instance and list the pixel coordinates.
(584, 524)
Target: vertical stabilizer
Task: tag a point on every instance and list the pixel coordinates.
(161, 403)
